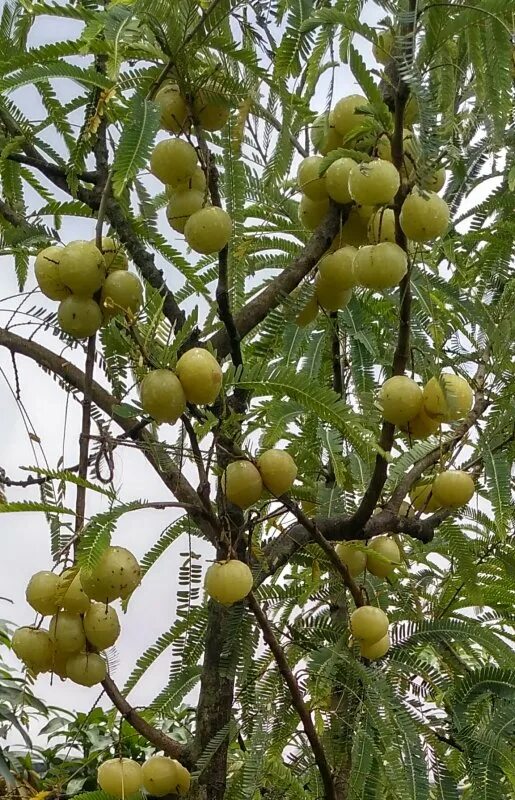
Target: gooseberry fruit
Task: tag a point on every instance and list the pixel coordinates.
(312, 212)
(197, 181)
(381, 226)
(120, 777)
(162, 396)
(324, 136)
(353, 231)
(174, 111)
(374, 182)
(309, 180)
(67, 632)
(447, 398)
(114, 256)
(382, 49)
(424, 216)
(162, 775)
(71, 596)
(337, 269)
(242, 483)
(82, 268)
(352, 556)
(86, 669)
(422, 497)
(422, 426)
(380, 266)
(369, 623)
(375, 650)
(79, 317)
(308, 313)
(400, 399)
(101, 625)
(337, 180)
(41, 592)
(435, 181)
(453, 488)
(328, 298)
(46, 270)
(346, 117)
(382, 556)
(208, 230)
(181, 206)
(116, 575)
(122, 292)
(173, 160)
(228, 582)
(200, 375)
(278, 471)
(211, 110)
(34, 647)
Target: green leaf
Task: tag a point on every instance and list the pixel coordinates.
(136, 140)
(23, 506)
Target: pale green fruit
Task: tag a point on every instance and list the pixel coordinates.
(337, 269)
(424, 216)
(173, 160)
(382, 556)
(422, 497)
(324, 136)
(354, 559)
(375, 650)
(278, 471)
(337, 180)
(67, 632)
(381, 226)
(70, 594)
(101, 625)
(79, 317)
(197, 181)
(200, 375)
(46, 270)
(308, 313)
(120, 777)
(242, 483)
(86, 669)
(41, 592)
(369, 623)
(312, 212)
(328, 298)
(114, 255)
(309, 180)
(421, 426)
(208, 230)
(382, 50)
(211, 110)
(353, 231)
(174, 111)
(122, 292)
(82, 268)
(34, 647)
(411, 112)
(380, 266)
(374, 182)
(161, 776)
(184, 780)
(448, 398)
(435, 181)
(116, 575)
(181, 206)
(59, 663)
(453, 488)
(228, 582)
(345, 116)
(162, 396)
(401, 399)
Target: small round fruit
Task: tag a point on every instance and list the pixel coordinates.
(424, 216)
(114, 255)
(381, 226)
(382, 49)
(174, 111)
(46, 270)
(86, 669)
(337, 269)
(211, 110)
(200, 375)
(346, 116)
(120, 777)
(197, 181)
(160, 776)
(122, 292)
(79, 317)
(116, 575)
(82, 268)
(380, 266)
(173, 160)
(401, 399)
(309, 180)
(337, 180)
(353, 232)
(447, 398)
(375, 650)
(308, 313)
(41, 593)
(369, 623)
(67, 632)
(208, 230)
(435, 181)
(278, 471)
(162, 396)
(453, 488)
(59, 663)
(374, 182)
(312, 212)
(382, 556)
(228, 582)
(184, 780)
(101, 625)
(422, 497)
(324, 136)
(422, 426)
(71, 596)
(181, 206)
(352, 556)
(328, 298)
(242, 483)
(34, 647)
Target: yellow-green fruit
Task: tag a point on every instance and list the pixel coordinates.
(352, 556)
(208, 230)
(410, 146)
(197, 181)
(173, 160)
(79, 317)
(200, 375)
(375, 650)
(117, 574)
(228, 582)
(46, 270)
(382, 50)
(312, 212)
(163, 775)
(337, 269)
(423, 499)
(41, 592)
(59, 663)
(70, 594)
(67, 632)
(120, 777)
(162, 396)
(374, 182)
(114, 255)
(421, 426)
(242, 483)
(337, 180)
(380, 266)
(369, 623)
(309, 180)
(453, 488)
(211, 110)
(174, 111)
(328, 298)
(34, 647)
(122, 292)
(324, 136)
(448, 398)
(101, 626)
(424, 216)
(382, 556)
(184, 780)
(353, 231)
(308, 313)
(345, 117)
(400, 399)
(381, 226)
(82, 268)
(86, 669)
(278, 471)
(411, 112)
(435, 181)
(181, 206)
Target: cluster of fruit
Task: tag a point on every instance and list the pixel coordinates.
(82, 623)
(243, 482)
(92, 285)
(380, 556)
(159, 776)
(369, 625)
